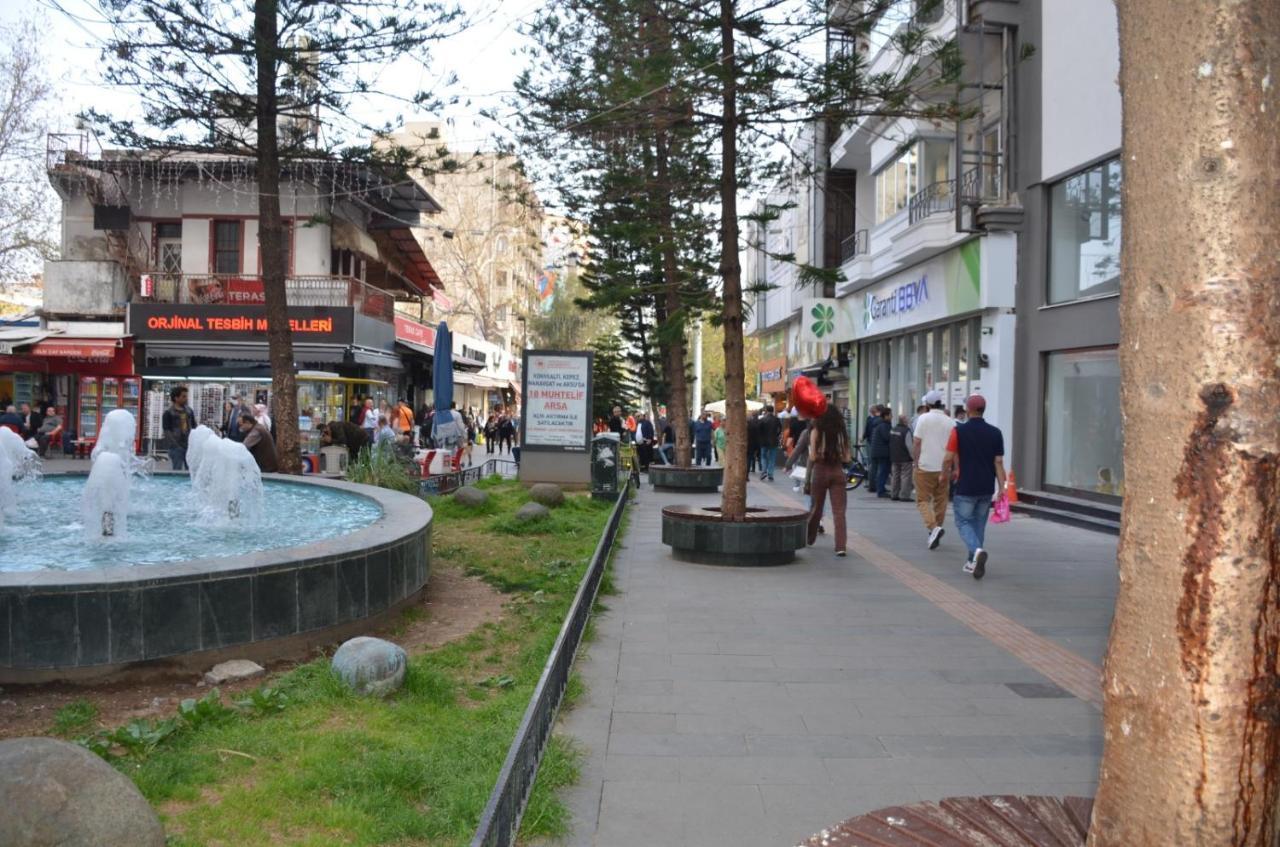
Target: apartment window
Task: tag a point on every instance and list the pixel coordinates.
(168, 259)
(1084, 234)
(502, 314)
(227, 246)
(928, 11)
(924, 163)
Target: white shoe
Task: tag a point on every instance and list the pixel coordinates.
(935, 537)
(968, 566)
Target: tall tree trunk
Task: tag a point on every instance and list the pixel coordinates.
(673, 360)
(1192, 693)
(733, 499)
(271, 234)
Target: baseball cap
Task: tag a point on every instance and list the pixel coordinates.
(932, 398)
(976, 403)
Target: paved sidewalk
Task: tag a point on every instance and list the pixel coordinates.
(731, 706)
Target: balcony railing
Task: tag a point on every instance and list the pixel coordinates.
(246, 290)
(858, 244)
(932, 200)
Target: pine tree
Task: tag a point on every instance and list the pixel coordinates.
(224, 78)
(612, 380)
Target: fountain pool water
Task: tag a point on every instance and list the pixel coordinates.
(165, 524)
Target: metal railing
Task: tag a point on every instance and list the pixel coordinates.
(981, 184)
(501, 818)
(933, 199)
(246, 290)
(448, 483)
(858, 244)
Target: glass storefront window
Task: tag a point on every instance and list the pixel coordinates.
(1084, 432)
(944, 355)
(928, 360)
(1084, 234)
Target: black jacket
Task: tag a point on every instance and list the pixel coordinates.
(753, 432)
(899, 444)
(880, 436)
(770, 430)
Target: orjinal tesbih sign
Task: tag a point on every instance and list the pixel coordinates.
(557, 401)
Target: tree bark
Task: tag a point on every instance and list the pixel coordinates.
(673, 360)
(271, 235)
(1192, 709)
(733, 498)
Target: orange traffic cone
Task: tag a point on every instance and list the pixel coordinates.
(1011, 487)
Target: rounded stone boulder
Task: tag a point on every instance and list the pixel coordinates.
(469, 495)
(56, 794)
(532, 512)
(546, 493)
(370, 665)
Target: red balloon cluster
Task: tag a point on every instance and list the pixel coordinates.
(807, 398)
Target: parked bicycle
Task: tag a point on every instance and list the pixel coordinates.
(857, 472)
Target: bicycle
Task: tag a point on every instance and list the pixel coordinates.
(856, 473)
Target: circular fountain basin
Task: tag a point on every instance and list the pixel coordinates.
(325, 560)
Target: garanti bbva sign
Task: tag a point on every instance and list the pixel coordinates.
(932, 291)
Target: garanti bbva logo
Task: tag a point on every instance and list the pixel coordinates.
(903, 299)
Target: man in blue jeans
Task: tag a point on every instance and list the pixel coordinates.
(975, 458)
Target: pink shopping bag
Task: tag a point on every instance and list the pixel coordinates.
(1000, 510)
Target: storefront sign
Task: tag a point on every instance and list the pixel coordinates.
(773, 376)
(97, 351)
(242, 292)
(943, 287)
(415, 333)
(826, 320)
(163, 322)
(557, 401)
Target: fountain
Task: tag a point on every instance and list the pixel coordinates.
(165, 567)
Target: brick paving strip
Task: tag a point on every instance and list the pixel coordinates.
(1067, 670)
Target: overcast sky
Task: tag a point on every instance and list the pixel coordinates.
(481, 57)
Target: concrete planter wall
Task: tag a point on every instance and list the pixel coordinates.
(79, 625)
(693, 480)
(766, 537)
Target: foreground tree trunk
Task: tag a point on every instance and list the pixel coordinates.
(733, 499)
(1192, 693)
(284, 383)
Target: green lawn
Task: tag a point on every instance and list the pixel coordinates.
(315, 765)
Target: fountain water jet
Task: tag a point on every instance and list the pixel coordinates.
(104, 508)
(227, 482)
(119, 429)
(24, 462)
(195, 447)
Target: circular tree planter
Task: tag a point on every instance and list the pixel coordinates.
(766, 536)
(689, 480)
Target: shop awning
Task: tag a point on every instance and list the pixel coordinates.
(464, 362)
(98, 349)
(417, 349)
(478, 380)
(514, 386)
(376, 358)
(17, 337)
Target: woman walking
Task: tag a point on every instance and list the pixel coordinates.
(828, 455)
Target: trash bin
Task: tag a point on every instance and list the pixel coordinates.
(606, 463)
